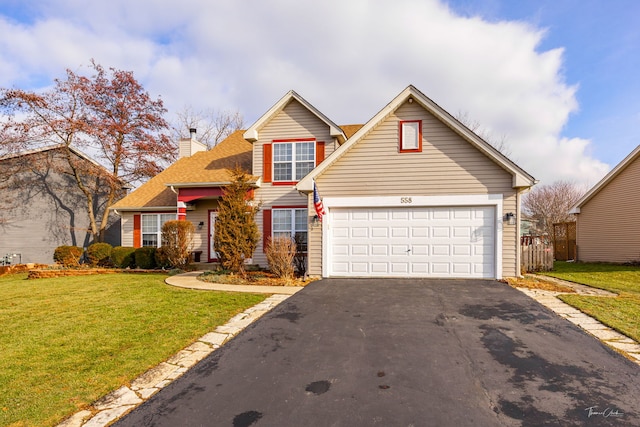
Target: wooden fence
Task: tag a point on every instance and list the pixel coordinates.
(564, 241)
(535, 255)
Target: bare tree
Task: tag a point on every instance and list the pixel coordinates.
(213, 125)
(109, 114)
(499, 143)
(549, 204)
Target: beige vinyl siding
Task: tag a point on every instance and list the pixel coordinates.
(447, 165)
(201, 213)
(126, 225)
(608, 226)
(294, 121)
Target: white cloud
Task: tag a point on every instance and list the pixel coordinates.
(347, 58)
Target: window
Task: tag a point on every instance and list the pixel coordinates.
(293, 160)
(152, 228)
(411, 136)
(291, 223)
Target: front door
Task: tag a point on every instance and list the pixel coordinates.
(212, 223)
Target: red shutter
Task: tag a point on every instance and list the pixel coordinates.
(266, 228)
(266, 163)
(319, 152)
(137, 235)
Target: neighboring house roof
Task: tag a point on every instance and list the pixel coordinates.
(575, 209)
(520, 177)
(205, 168)
(50, 148)
(251, 134)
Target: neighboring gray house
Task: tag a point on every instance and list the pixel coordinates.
(42, 208)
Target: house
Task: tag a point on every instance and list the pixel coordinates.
(608, 224)
(413, 192)
(41, 206)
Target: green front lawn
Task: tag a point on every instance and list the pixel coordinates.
(65, 342)
(621, 313)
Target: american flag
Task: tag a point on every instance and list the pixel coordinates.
(317, 202)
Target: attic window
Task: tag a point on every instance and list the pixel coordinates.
(411, 136)
(292, 160)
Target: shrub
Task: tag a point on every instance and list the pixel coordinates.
(300, 260)
(100, 254)
(162, 257)
(280, 254)
(68, 256)
(236, 229)
(177, 239)
(123, 257)
(145, 258)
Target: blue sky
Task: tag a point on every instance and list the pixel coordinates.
(557, 79)
(601, 42)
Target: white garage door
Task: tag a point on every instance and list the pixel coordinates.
(418, 242)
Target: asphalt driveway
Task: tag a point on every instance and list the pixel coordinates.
(368, 352)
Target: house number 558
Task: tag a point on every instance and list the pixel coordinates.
(405, 199)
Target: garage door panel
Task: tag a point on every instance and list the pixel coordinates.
(462, 232)
(380, 215)
(380, 250)
(440, 268)
(419, 250)
(379, 267)
(462, 250)
(419, 231)
(360, 250)
(379, 232)
(359, 232)
(419, 241)
(440, 250)
(440, 231)
(400, 267)
(399, 232)
(399, 250)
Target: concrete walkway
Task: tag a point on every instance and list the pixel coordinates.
(123, 400)
(614, 339)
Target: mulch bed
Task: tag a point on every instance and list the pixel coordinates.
(255, 278)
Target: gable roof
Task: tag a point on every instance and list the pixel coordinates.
(50, 148)
(613, 173)
(520, 177)
(205, 168)
(251, 134)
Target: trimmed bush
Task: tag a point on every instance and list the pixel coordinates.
(145, 258)
(177, 240)
(99, 254)
(123, 257)
(68, 256)
(162, 257)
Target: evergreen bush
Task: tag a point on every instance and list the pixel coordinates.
(236, 230)
(145, 258)
(99, 254)
(123, 257)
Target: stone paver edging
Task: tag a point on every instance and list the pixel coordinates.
(608, 336)
(116, 404)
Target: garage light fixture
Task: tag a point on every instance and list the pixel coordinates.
(200, 225)
(510, 218)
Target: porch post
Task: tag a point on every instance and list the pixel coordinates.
(182, 211)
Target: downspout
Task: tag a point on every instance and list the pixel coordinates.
(518, 245)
